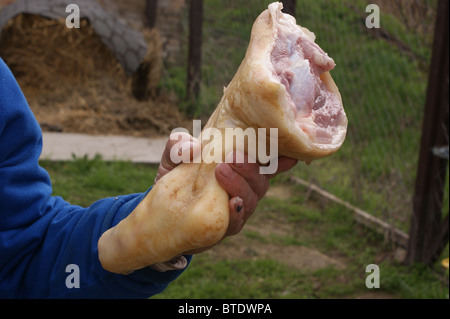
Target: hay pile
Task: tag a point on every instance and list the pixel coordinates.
(74, 83)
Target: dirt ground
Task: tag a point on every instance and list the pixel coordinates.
(243, 247)
(106, 111)
(295, 256)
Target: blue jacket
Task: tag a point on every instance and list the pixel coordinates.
(40, 234)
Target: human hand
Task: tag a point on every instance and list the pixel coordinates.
(237, 182)
(241, 179)
(238, 176)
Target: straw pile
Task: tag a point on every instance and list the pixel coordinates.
(74, 83)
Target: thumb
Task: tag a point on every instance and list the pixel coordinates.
(180, 148)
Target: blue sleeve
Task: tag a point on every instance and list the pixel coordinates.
(43, 236)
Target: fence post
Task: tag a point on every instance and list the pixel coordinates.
(150, 12)
(428, 232)
(289, 7)
(195, 53)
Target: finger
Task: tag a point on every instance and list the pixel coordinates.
(284, 164)
(179, 144)
(236, 185)
(249, 169)
(184, 146)
(237, 213)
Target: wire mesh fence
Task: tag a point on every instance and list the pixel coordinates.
(381, 72)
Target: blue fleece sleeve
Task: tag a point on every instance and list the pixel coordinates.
(48, 248)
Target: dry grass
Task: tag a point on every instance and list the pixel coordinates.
(42, 51)
(74, 83)
(417, 15)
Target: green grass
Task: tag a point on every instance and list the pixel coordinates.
(85, 180)
(383, 88)
(308, 221)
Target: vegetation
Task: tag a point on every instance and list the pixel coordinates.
(382, 76)
(383, 85)
(294, 245)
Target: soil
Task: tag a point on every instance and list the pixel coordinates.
(295, 256)
(244, 247)
(106, 111)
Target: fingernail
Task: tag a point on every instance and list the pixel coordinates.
(226, 170)
(239, 204)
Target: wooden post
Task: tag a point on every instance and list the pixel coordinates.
(428, 232)
(289, 7)
(141, 78)
(195, 53)
(150, 12)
